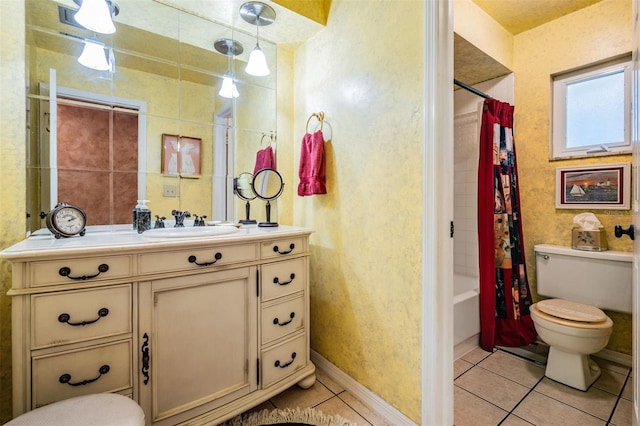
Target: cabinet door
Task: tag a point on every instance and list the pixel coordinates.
(201, 332)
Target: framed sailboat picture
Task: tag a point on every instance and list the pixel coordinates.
(604, 186)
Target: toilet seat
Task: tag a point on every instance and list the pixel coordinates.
(571, 314)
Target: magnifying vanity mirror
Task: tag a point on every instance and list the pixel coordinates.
(243, 189)
(267, 185)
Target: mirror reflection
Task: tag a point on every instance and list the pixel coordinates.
(243, 189)
(95, 137)
(267, 184)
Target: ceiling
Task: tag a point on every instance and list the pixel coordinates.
(472, 66)
(517, 16)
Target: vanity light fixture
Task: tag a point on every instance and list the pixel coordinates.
(228, 48)
(95, 15)
(258, 14)
(93, 55)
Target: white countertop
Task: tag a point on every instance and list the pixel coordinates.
(124, 239)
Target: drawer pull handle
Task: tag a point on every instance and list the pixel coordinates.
(66, 271)
(64, 318)
(293, 357)
(277, 250)
(66, 378)
(276, 321)
(192, 259)
(145, 358)
(276, 280)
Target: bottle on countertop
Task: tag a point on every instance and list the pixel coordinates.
(141, 217)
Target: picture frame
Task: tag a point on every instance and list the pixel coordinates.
(605, 186)
(181, 156)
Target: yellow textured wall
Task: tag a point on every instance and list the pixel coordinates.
(12, 172)
(364, 70)
(592, 34)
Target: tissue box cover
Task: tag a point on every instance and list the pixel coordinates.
(589, 239)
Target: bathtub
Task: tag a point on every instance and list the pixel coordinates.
(466, 311)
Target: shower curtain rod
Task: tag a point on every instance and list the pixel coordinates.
(471, 89)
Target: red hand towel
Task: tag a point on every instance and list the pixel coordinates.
(265, 159)
(312, 165)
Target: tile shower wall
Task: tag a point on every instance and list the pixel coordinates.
(465, 157)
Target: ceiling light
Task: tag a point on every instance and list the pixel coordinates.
(93, 55)
(228, 88)
(228, 48)
(95, 15)
(258, 14)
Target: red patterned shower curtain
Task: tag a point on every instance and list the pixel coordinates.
(504, 290)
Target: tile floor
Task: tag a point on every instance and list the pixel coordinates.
(493, 389)
(503, 389)
(330, 398)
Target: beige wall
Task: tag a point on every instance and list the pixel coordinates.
(595, 33)
(365, 72)
(12, 171)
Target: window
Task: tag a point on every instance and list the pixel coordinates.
(591, 111)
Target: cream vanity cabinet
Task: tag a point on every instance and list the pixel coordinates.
(195, 330)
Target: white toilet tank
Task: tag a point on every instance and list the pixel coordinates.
(601, 279)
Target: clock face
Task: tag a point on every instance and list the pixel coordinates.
(66, 220)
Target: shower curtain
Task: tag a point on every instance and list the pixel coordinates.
(504, 290)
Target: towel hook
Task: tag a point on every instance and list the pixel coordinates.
(264, 135)
(319, 116)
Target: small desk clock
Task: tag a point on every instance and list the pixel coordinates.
(66, 220)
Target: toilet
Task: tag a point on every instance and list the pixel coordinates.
(579, 284)
(101, 409)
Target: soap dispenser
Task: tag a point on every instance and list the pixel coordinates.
(141, 217)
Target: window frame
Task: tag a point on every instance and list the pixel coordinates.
(559, 82)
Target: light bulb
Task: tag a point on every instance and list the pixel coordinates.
(93, 55)
(257, 63)
(95, 15)
(228, 88)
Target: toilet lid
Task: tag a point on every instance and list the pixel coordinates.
(572, 311)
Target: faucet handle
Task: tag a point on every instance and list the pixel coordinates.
(159, 222)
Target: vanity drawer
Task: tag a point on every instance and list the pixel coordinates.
(283, 360)
(282, 278)
(282, 318)
(282, 248)
(79, 315)
(80, 270)
(104, 368)
(197, 258)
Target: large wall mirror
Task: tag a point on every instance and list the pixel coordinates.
(102, 139)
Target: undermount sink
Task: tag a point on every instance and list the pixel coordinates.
(190, 232)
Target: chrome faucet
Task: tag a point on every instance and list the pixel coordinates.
(180, 216)
(159, 222)
(199, 220)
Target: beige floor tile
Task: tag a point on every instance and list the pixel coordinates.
(469, 410)
(526, 373)
(371, 416)
(298, 397)
(322, 377)
(610, 381)
(335, 406)
(595, 401)
(492, 387)
(623, 414)
(627, 392)
(460, 366)
(475, 356)
(542, 410)
(514, 420)
(611, 365)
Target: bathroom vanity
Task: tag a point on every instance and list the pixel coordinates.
(196, 329)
